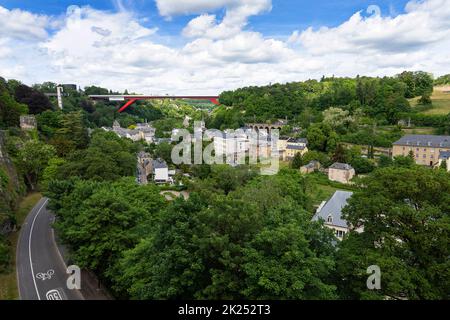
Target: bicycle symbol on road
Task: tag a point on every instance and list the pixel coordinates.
(45, 275)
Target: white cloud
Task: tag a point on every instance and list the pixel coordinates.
(115, 49)
(169, 8)
(425, 23)
(236, 18)
(22, 25)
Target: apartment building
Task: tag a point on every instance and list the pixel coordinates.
(294, 146)
(426, 148)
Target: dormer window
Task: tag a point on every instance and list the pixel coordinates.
(330, 219)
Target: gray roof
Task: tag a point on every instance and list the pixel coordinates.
(341, 166)
(444, 155)
(159, 164)
(293, 147)
(312, 164)
(299, 140)
(417, 140)
(334, 208)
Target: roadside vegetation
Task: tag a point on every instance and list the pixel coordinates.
(8, 274)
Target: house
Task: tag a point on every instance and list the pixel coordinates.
(281, 145)
(341, 172)
(295, 146)
(233, 145)
(310, 167)
(160, 171)
(143, 131)
(444, 157)
(426, 148)
(331, 213)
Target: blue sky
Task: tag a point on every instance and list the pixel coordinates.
(285, 16)
(207, 46)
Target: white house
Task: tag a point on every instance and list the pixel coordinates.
(331, 213)
(160, 171)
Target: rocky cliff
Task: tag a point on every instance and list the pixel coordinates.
(10, 189)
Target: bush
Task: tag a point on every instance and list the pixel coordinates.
(5, 255)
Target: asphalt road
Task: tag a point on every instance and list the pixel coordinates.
(41, 271)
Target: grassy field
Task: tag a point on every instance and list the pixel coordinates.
(8, 281)
(419, 130)
(321, 189)
(441, 102)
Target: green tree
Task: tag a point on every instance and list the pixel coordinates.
(316, 138)
(297, 162)
(10, 110)
(235, 247)
(51, 170)
(107, 157)
(385, 161)
(405, 213)
(32, 159)
(100, 221)
(362, 165)
(164, 151)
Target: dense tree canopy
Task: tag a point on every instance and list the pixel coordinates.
(235, 246)
(36, 101)
(10, 110)
(405, 213)
(107, 157)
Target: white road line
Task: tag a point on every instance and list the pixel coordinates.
(29, 248)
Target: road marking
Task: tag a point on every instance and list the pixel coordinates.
(53, 295)
(29, 249)
(45, 275)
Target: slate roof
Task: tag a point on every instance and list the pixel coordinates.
(417, 140)
(312, 164)
(444, 155)
(334, 208)
(341, 166)
(299, 140)
(159, 164)
(294, 147)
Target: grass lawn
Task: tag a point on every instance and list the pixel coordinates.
(321, 193)
(419, 130)
(8, 281)
(441, 103)
(320, 189)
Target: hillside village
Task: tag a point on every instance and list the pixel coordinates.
(331, 161)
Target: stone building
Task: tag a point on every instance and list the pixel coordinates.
(341, 172)
(426, 148)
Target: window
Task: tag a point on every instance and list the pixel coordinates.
(340, 234)
(330, 219)
(424, 156)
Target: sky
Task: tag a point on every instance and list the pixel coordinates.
(208, 46)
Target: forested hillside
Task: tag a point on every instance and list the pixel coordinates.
(383, 99)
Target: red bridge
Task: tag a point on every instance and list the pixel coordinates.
(133, 98)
